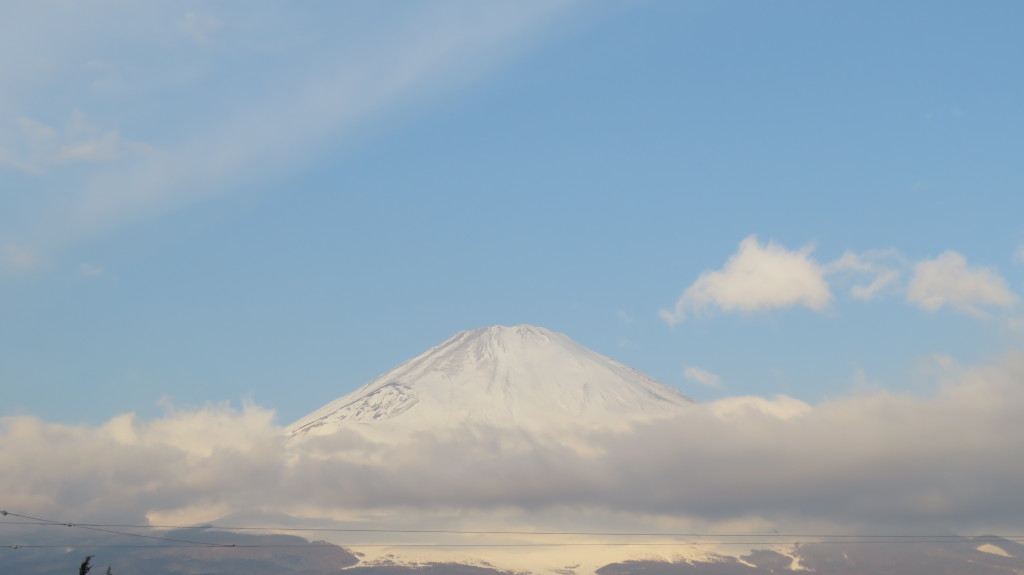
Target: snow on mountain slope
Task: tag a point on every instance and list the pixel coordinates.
(523, 376)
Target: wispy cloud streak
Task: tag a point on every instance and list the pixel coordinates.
(264, 125)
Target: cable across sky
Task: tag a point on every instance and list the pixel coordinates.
(686, 538)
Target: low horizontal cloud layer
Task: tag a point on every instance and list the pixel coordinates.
(879, 458)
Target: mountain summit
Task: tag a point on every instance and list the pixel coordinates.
(521, 376)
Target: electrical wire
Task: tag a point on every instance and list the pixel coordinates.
(693, 538)
(460, 545)
(111, 531)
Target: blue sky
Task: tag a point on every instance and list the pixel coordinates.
(212, 201)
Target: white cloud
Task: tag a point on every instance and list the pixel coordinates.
(873, 458)
(866, 292)
(43, 146)
(11, 159)
(948, 280)
(935, 370)
(36, 132)
(742, 407)
(91, 270)
(757, 277)
(199, 27)
(701, 376)
(881, 267)
(105, 148)
(17, 257)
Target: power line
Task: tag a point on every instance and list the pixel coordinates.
(111, 531)
(692, 538)
(518, 532)
(465, 545)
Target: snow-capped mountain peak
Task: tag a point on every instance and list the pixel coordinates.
(521, 376)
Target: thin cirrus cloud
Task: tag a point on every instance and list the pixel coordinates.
(757, 277)
(128, 171)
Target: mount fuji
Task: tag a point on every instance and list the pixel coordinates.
(522, 377)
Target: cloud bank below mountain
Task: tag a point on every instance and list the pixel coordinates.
(879, 459)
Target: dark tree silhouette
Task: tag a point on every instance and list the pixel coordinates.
(86, 566)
